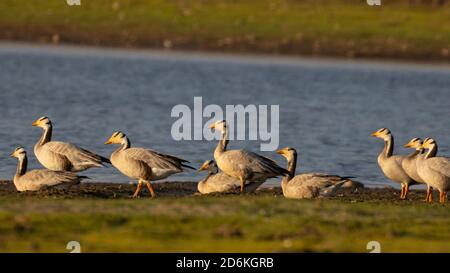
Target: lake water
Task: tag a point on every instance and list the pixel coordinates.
(328, 108)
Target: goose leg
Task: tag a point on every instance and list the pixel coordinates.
(429, 197)
(150, 188)
(405, 194)
(402, 191)
(242, 184)
(138, 189)
(442, 196)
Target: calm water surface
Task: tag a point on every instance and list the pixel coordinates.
(327, 108)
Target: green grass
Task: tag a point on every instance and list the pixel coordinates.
(220, 224)
(328, 27)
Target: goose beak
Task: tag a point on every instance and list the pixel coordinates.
(407, 145)
(374, 134)
(202, 168)
(280, 152)
(11, 154)
(36, 123)
(212, 126)
(108, 142)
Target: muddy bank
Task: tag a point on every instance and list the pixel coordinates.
(179, 189)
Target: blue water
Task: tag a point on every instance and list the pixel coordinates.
(328, 108)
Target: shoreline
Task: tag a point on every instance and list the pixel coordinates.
(288, 57)
(186, 189)
(208, 56)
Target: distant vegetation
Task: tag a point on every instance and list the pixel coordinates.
(406, 29)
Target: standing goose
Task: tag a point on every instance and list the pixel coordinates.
(220, 182)
(143, 164)
(40, 179)
(409, 164)
(242, 164)
(435, 171)
(309, 185)
(62, 156)
(391, 165)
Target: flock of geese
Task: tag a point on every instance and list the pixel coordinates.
(230, 171)
(420, 167)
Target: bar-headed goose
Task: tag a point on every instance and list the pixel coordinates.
(142, 164)
(40, 179)
(391, 165)
(241, 164)
(309, 185)
(435, 171)
(62, 156)
(220, 182)
(409, 163)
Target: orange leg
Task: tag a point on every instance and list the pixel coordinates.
(138, 190)
(150, 188)
(402, 192)
(442, 197)
(429, 197)
(242, 185)
(405, 194)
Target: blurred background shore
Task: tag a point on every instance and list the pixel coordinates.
(398, 29)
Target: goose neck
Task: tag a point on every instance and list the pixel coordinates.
(432, 151)
(46, 135)
(22, 166)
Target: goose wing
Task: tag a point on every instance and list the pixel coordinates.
(440, 165)
(47, 178)
(222, 182)
(74, 154)
(156, 159)
(320, 180)
(312, 185)
(257, 163)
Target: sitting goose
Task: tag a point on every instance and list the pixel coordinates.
(62, 156)
(309, 185)
(435, 171)
(40, 179)
(391, 165)
(219, 182)
(409, 164)
(143, 164)
(242, 164)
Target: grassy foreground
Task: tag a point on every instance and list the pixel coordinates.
(404, 29)
(255, 223)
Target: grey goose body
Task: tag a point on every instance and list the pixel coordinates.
(310, 185)
(220, 182)
(241, 164)
(62, 156)
(391, 165)
(40, 179)
(142, 164)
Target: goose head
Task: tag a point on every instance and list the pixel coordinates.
(116, 138)
(19, 152)
(383, 133)
(43, 122)
(219, 125)
(288, 152)
(210, 166)
(429, 143)
(415, 143)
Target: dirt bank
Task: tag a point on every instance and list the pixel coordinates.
(179, 189)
